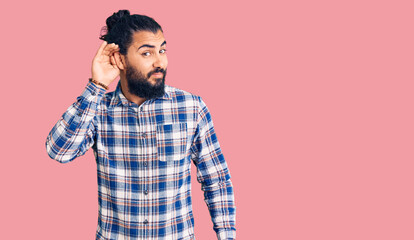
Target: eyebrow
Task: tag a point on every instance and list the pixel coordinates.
(151, 46)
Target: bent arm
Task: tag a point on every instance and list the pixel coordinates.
(214, 176)
(74, 133)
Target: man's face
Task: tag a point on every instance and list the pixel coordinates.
(146, 64)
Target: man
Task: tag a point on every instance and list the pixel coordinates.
(144, 135)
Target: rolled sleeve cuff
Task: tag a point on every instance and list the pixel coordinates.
(93, 90)
(226, 234)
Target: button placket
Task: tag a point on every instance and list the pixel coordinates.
(145, 140)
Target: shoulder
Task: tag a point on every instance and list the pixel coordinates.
(179, 95)
(108, 98)
(185, 100)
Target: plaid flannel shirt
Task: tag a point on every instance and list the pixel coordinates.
(143, 155)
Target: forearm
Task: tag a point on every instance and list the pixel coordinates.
(72, 134)
(219, 198)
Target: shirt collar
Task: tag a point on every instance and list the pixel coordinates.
(119, 97)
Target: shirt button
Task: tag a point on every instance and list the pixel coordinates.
(145, 163)
(141, 109)
(146, 191)
(144, 135)
(80, 114)
(93, 93)
(146, 221)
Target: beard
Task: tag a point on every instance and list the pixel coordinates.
(139, 84)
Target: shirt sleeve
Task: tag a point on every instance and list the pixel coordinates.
(74, 132)
(214, 176)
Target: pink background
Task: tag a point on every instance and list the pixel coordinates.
(312, 103)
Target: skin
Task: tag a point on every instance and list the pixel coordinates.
(145, 54)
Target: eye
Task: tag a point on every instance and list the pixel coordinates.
(163, 50)
(146, 54)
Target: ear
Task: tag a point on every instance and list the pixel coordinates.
(119, 60)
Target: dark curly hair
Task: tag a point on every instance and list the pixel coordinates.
(121, 26)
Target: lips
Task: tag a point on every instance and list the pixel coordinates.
(157, 74)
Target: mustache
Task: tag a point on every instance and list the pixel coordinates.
(157, 70)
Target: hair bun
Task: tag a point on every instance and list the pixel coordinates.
(114, 19)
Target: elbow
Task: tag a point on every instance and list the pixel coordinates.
(58, 154)
(211, 186)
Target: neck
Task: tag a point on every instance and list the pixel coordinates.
(131, 97)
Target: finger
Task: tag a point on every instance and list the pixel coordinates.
(113, 61)
(113, 50)
(100, 50)
(108, 50)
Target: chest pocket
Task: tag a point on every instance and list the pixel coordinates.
(171, 141)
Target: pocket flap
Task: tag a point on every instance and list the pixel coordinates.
(171, 141)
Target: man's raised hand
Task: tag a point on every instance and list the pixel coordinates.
(104, 68)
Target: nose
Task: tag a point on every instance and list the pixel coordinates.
(160, 62)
